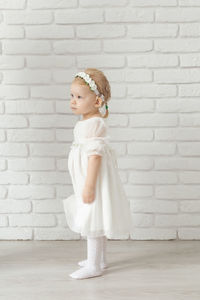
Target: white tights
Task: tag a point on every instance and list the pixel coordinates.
(96, 255)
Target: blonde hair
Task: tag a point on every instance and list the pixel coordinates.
(102, 83)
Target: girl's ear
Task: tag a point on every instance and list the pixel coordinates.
(99, 101)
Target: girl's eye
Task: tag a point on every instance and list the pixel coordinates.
(71, 95)
(79, 97)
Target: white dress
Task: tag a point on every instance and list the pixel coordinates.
(109, 214)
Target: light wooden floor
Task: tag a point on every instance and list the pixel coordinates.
(150, 270)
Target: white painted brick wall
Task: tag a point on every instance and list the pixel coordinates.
(149, 51)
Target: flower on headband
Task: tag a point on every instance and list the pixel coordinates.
(89, 81)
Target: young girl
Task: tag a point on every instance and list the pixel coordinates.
(98, 209)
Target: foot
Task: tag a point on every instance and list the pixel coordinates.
(86, 272)
(83, 263)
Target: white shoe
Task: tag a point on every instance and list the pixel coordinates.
(86, 272)
(83, 263)
(93, 266)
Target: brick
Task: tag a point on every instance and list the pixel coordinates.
(62, 164)
(100, 31)
(177, 15)
(177, 45)
(143, 220)
(177, 164)
(188, 120)
(16, 234)
(176, 192)
(153, 177)
(185, 149)
(3, 221)
(30, 17)
(128, 15)
(190, 60)
(30, 135)
(190, 30)
(55, 234)
(64, 135)
(53, 150)
(15, 206)
(43, 4)
(189, 177)
(77, 16)
(101, 61)
(26, 47)
(61, 76)
(49, 32)
(138, 191)
(127, 45)
(154, 206)
(13, 122)
(177, 134)
(77, 46)
(47, 206)
(32, 220)
(14, 32)
(177, 76)
(63, 191)
(189, 233)
(154, 120)
(27, 77)
(130, 106)
(191, 90)
(2, 166)
(102, 3)
(135, 163)
(154, 234)
(16, 92)
(189, 3)
(118, 120)
(49, 61)
(152, 60)
(49, 91)
(138, 76)
(146, 3)
(31, 164)
(12, 4)
(11, 62)
(152, 30)
(151, 90)
(28, 107)
(31, 192)
(189, 206)
(49, 177)
(154, 148)
(13, 149)
(177, 220)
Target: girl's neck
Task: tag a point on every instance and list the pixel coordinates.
(88, 116)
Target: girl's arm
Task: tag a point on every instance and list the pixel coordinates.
(94, 162)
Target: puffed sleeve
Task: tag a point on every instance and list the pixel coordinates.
(96, 137)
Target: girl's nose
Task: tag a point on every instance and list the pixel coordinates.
(73, 100)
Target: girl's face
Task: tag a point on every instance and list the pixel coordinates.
(83, 100)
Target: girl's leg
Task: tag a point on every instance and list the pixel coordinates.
(103, 254)
(103, 263)
(94, 249)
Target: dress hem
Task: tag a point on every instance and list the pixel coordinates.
(102, 232)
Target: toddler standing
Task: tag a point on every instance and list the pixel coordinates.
(98, 209)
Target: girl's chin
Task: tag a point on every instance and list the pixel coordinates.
(75, 111)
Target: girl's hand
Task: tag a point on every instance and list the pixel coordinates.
(88, 194)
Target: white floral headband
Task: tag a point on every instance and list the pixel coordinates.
(94, 88)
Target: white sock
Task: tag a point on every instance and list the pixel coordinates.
(94, 249)
(103, 263)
